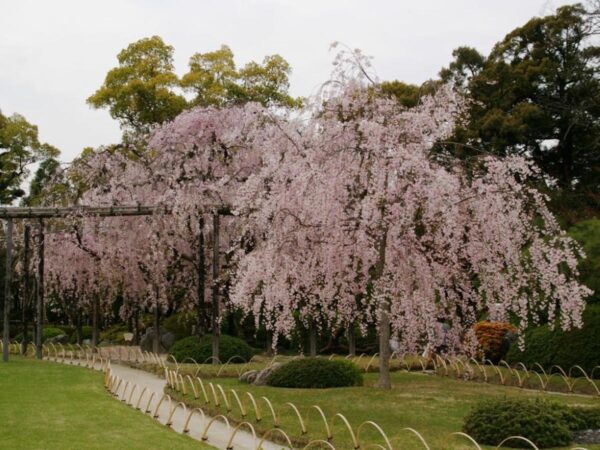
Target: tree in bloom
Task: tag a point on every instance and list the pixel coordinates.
(349, 205)
(74, 280)
(341, 215)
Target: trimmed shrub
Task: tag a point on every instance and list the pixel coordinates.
(566, 349)
(492, 338)
(542, 422)
(50, 332)
(581, 418)
(200, 349)
(309, 373)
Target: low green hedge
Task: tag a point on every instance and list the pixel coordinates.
(200, 349)
(317, 373)
(545, 423)
(563, 348)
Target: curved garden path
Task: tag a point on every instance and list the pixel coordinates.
(219, 433)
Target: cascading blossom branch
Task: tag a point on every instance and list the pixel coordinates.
(354, 220)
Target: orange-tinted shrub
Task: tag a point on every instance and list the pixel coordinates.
(491, 338)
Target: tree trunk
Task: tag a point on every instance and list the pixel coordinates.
(351, 340)
(312, 339)
(156, 340)
(201, 322)
(136, 328)
(79, 328)
(34, 313)
(384, 322)
(27, 288)
(95, 318)
(384, 348)
(39, 291)
(215, 291)
(7, 290)
(269, 346)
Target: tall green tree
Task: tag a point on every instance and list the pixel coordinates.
(140, 91)
(537, 94)
(214, 80)
(212, 77)
(43, 187)
(408, 95)
(20, 147)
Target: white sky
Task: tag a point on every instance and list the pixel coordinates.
(54, 54)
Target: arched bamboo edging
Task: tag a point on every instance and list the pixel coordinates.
(517, 438)
(215, 418)
(465, 435)
(378, 428)
(186, 425)
(169, 421)
(235, 431)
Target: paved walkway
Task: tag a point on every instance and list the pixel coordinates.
(218, 434)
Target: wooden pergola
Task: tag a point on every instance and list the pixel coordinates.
(40, 213)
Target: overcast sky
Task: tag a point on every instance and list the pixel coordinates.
(54, 54)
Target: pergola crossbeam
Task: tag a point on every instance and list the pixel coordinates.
(100, 211)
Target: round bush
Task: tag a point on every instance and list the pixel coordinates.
(542, 422)
(582, 418)
(316, 373)
(200, 349)
(494, 338)
(563, 348)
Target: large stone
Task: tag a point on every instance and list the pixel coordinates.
(60, 339)
(587, 436)
(248, 376)
(261, 377)
(167, 339)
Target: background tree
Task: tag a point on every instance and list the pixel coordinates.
(43, 178)
(537, 94)
(140, 91)
(214, 80)
(212, 77)
(350, 203)
(19, 148)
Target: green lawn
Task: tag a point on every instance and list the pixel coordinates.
(433, 405)
(46, 405)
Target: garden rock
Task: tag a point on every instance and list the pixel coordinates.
(167, 339)
(261, 377)
(587, 436)
(60, 339)
(249, 376)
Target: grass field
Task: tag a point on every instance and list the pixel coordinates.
(433, 405)
(45, 405)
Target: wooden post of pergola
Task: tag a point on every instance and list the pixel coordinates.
(25, 301)
(39, 292)
(7, 290)
(216, 322)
